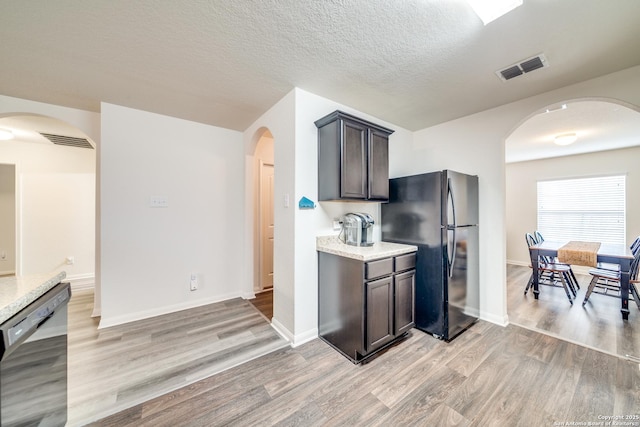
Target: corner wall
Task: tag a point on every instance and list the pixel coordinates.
(291, 122)
(149, 253)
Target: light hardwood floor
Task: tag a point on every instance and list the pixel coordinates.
(488, 376)
(115, 368)
(264, 303)
(597, 325)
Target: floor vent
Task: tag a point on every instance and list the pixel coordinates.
(68, 141)
(523, 67)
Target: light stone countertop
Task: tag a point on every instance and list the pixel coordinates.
(18, 292)
(332, 245)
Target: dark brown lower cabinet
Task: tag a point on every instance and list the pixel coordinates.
(364, 306)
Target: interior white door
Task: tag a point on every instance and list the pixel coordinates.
(266, 225)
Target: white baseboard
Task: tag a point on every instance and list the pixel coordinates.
(305, 337)
(513, 262)
(8, 273)
(294, 340)
(492, 318)
(81, 282)
(248, 295)
(146, 314)
(280, 329)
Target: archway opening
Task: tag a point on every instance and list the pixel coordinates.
(54, 218)
(263, 224)
(606, 145)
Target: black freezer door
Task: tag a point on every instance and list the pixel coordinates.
(461, 194)
(412, 215)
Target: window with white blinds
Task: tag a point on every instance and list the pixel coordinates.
(586, 209)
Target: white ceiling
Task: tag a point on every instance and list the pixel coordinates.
(414, 63)
(598, 125)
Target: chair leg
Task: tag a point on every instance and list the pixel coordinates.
(592, 284)
(566, 288)
(570, 283)
(634, 292)
(575, 281)
(529, 284)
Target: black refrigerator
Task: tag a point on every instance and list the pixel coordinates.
(438, 212)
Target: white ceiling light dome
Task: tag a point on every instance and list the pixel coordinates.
(565, 139)
(5, 135)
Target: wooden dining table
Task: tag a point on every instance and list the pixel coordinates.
(607, 253)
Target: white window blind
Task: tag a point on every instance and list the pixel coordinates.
(587, 209)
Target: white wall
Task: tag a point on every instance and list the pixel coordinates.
(521, 196)
(58, 222)
(278, 120)
(7, 219)
(475, 145)
(55, 195)
(148, 254)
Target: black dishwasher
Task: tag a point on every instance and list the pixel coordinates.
(33, 364)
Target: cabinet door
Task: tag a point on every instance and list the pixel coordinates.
(353, 168)
(379, 312)
(404, 302)
(378, 180)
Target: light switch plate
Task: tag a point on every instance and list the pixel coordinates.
(159, 202)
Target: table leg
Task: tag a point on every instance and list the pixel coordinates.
(535, 272)
(625, 266)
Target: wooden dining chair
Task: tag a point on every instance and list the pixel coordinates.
(550, 273)
(634, 247)
(607, 282)
(570, 276)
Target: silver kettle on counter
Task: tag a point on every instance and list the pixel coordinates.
(357, 229)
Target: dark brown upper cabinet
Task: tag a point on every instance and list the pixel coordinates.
(353, 159)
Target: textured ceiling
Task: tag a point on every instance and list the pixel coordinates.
(414, 63)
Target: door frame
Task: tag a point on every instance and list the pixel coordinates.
(261, 218)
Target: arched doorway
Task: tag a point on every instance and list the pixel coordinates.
(605, 145)
(54, 168)
(264, 174)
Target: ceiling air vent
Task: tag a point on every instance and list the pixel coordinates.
(68, 141)
(522, 67)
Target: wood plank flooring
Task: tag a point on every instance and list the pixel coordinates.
(597, 325)
(115, 368)
(264, 303)
(488, 376)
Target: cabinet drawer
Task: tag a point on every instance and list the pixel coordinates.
(379, 268)
(405, 262)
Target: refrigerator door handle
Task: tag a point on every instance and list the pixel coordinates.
(453, 202)
(452, 251)
(452, 248)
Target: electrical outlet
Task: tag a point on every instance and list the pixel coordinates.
(193, 282)
(336, 224)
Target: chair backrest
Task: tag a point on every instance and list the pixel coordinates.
(531, 241)
(634, 266)
(635, 246)
(538, 236)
